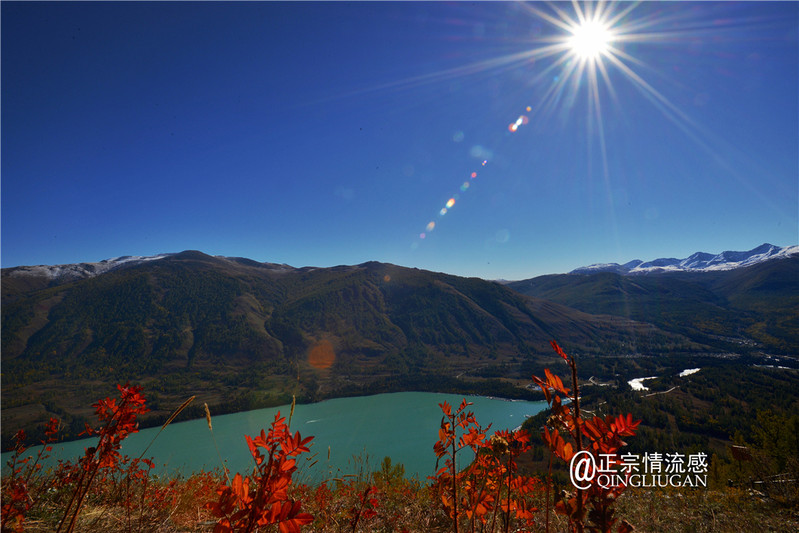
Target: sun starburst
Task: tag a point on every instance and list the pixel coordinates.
(588, 51)
(590, 40)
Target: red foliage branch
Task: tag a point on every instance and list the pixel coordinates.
(120, 421)
(18, 494)
(604, 438)
(490, 485)
(262, 498)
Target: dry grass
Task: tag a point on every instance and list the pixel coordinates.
(699, 510)
(406, 506)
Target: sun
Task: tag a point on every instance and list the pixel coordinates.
(590, 40)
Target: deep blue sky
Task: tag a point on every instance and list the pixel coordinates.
(333, 133)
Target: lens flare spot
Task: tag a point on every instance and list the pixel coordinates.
(386, 278)
(481, 152)
(485, 161)
(528, 108)
(464, 186)
(422, 235)
(430, 226)
(474, 175)
(322, 355)
(450, 203)
(443, 211)
(521, 121)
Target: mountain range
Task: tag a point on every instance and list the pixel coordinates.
(698, 262)
(728, 300)
(242, 334)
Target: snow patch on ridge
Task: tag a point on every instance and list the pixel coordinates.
(81, 270)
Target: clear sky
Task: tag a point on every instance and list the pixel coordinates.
(319, 134)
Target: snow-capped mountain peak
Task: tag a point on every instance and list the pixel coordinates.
(698, 262)
(76, 271)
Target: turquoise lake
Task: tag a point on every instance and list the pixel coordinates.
(403, 426)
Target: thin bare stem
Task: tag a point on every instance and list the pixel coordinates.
(507, 515)
(578, 435)
(216, 446)
(454, 480)
(169, 420)
(549, 490)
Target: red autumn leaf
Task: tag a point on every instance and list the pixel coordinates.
(241, 488)
(287, 466)
(595, 428)
(567, 452)
(483, 505)
(254, 450)
(541, 383)
(551, 438)
(555, 382)
(260, 441)
(464, 405)
(624, 425)
(295, 445)
(559, 351)
(292, 525)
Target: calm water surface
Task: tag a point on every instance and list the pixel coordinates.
(403, 426)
